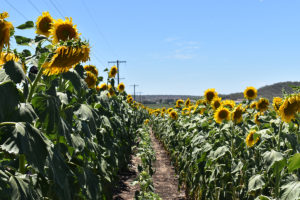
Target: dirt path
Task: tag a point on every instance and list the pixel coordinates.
(164, 179)
(126, 191)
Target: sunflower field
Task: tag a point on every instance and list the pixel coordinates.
(63, 133)
(224, 150)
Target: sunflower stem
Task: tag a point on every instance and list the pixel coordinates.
(36, 80)
(22, 163)
(277, 172)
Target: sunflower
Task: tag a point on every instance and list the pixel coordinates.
(210, 94)
(92, 69)
(187, 102)
(66, 57)
(121, 87)
(90, 79)
(277, 101)
(146, 121)
(173, 114)
(5, 28)
(129, 99)
(111, 90)
(237, 114)
(179, 102)
(164, 109)
(5, 57)
(289, 108)
(222, 114)
(44, 24)
(256, 117)
(253, 105)
(216, 102)
(262, 104)
(113, 71)
(63, 30)
(228, 103)
(250, 140)
(103, 86)
(169, 110)
(250, 93)
(186, 111)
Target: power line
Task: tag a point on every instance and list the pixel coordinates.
(97, 27)
(20, 13)
(34, 7)
(118, 62)
(56, 8)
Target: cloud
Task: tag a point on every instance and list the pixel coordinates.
(171, 39)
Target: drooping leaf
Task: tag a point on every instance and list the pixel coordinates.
(219, 152)
(9, 99)
(26, 25)
(24, 113)
(291, 191)
(23, 138)
(15, 71)
(77, 82)
(273, 158)
(256, 182)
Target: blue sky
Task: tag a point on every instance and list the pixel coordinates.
(183, 47)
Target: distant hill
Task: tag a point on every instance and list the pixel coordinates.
(268, 91)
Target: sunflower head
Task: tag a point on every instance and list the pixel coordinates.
(187, 102)
(173, 114)
(63, 30)
(289, 108)
(44, 24)
(179, 102)
(210, 94)
(90, 79)
(146, 121)
(185, 111)
(65, 57)
(92, 69)
(256, 117)
(216, 102)
(129, 99)
(5, 28)
(250, 93)
(277, 101)
(222, 114)
(121, 87)
(169, 110)
(237, 114)
(262, 105)
(164, 109)
(5, 57)
(228, 103)
(250, 139)
(111, 90)
(112, 72)
(253, 105)
(103, 86)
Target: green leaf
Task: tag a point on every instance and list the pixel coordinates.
(15, 71)
(26, 53)
(23, 138)
(291, 191)
(47, 108)
(9, 99)
(256, 182)
(294, 162)
(22, 40)
(219, 152)
(22, 188)
(86, 116)
(26, 25)
(262, 197)
(77, 82)
(24, 113)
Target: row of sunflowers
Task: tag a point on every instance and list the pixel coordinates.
(227, 150)
(64, 132)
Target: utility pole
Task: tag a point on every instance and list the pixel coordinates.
(140, 94)
(134, 85)
(117, 62)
